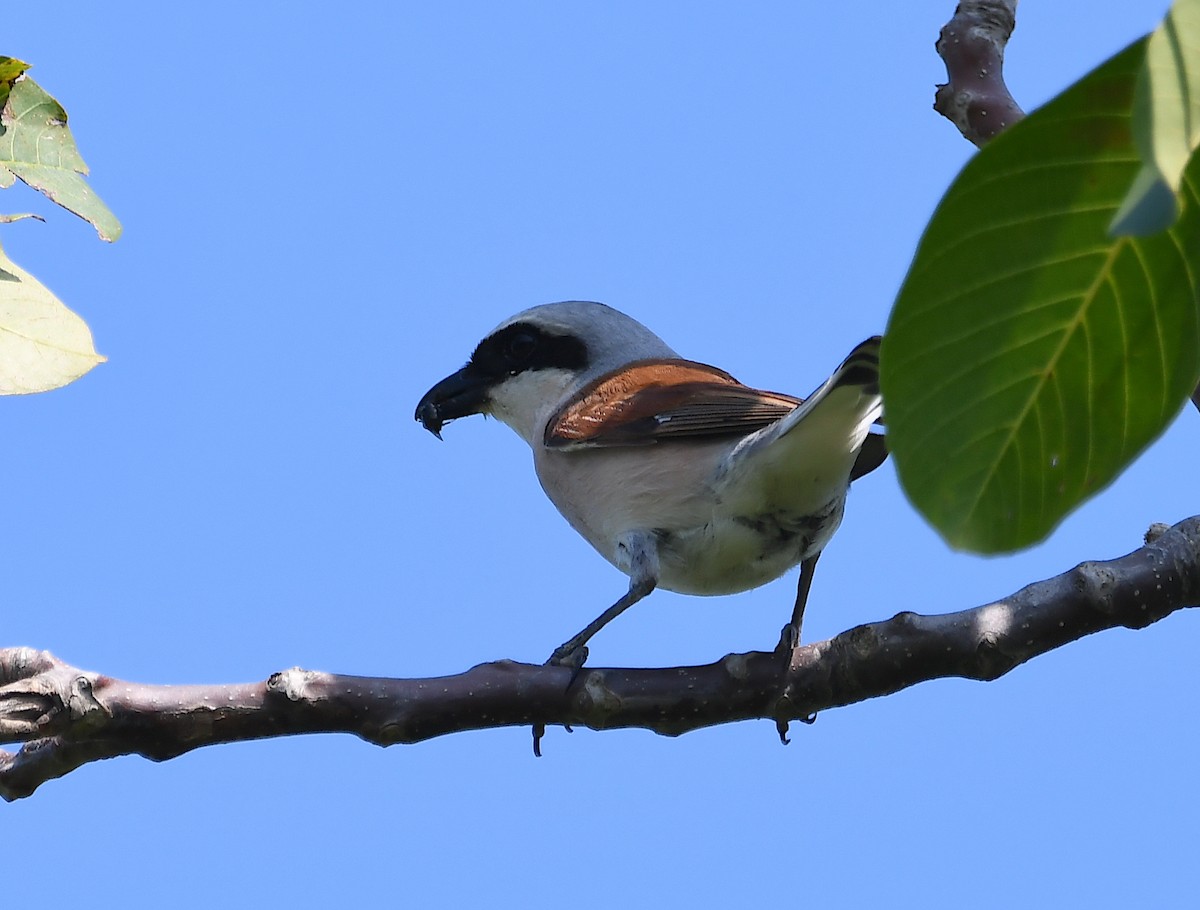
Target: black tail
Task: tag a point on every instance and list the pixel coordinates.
(861, 366)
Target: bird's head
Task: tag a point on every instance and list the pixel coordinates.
(529, 364)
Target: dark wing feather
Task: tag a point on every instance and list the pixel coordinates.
(873, 453)
(655, 400)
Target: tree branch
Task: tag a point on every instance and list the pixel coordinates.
(68, 717)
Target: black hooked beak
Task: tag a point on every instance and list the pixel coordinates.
(458, 395)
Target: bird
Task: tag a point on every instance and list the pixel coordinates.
(676, 473)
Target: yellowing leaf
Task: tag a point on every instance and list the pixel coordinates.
(11, 68)
(43, 345)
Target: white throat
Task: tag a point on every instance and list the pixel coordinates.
(526, 401)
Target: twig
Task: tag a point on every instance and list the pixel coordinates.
(975, 99)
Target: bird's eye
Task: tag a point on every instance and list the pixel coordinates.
(520, 347)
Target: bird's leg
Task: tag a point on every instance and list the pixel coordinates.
(638, 553)
(789, 642)
(573, 652)
(789, 639)
(639, 556)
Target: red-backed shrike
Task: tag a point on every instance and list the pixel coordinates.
(679, 475)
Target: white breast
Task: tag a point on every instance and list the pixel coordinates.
(704, 548)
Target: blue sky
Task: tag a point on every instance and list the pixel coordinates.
(325, 208)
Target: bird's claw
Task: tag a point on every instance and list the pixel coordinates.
(789, 644)
(782, 723)
(572, 658)
(781, 727)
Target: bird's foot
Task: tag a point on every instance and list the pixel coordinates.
(573, 659)
(782, 725)
(570, 656)
(788, 647)
(539, 730)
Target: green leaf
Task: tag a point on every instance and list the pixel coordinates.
(1166, 121)
(43, 345)
(36, 145)
(1031, 356)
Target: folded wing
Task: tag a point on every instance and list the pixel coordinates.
(652, 401)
